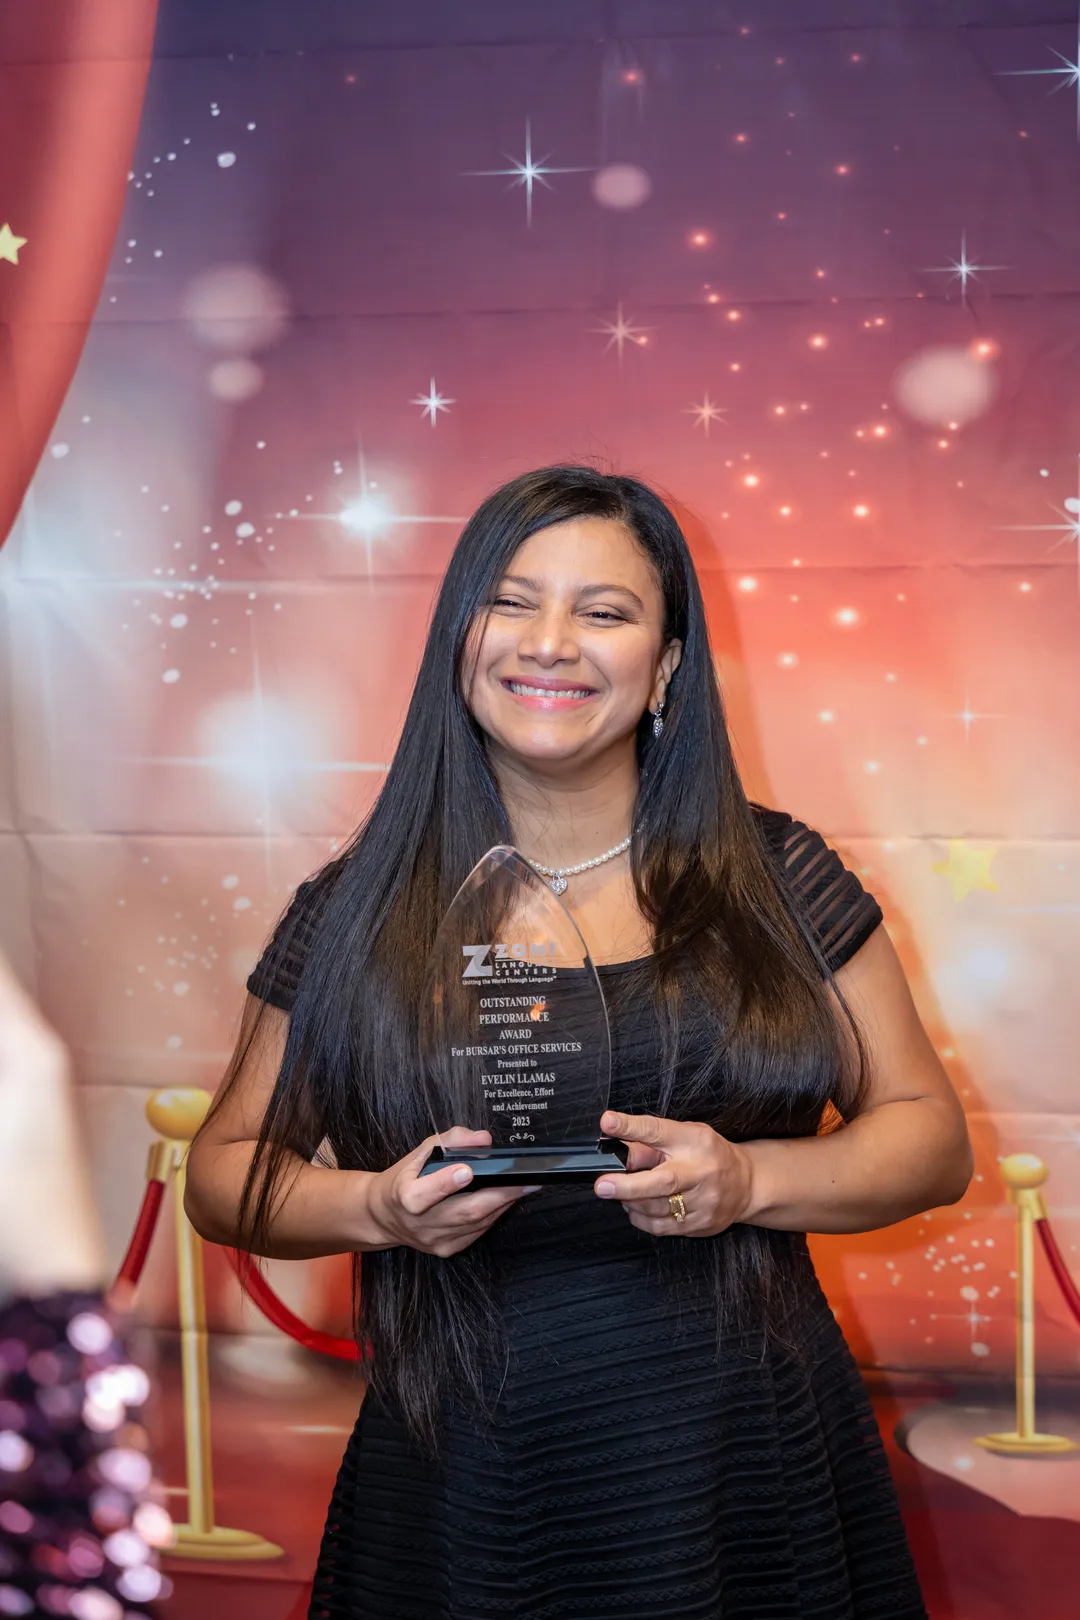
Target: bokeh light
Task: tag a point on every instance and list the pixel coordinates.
(945, 385)
(236, 307)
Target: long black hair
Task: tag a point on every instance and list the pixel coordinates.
(732, 954)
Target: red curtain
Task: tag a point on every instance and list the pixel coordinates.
(72, 78)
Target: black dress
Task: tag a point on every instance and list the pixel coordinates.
(634, 1467)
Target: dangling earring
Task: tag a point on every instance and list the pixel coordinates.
(658, 719)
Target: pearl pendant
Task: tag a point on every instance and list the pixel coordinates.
(557, 883)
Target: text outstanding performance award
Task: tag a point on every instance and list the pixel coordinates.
(514, 1032)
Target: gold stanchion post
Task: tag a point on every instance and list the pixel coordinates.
(1023, 1174)
(176, 1115)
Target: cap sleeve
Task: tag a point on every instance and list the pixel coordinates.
(275, 977)
(841, 913)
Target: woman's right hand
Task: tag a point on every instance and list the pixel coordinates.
(422, 1212)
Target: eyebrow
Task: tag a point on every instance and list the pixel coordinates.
(587, 590)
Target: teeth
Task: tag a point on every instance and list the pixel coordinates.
(522, 690)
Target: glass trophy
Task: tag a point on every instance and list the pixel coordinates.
(514, 1032)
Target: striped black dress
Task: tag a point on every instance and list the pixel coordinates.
(635, 1466)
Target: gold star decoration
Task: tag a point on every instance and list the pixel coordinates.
(10, 244)
(967, 868)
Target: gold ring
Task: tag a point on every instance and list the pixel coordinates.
(677, 1207)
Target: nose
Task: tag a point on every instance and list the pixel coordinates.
(549, 638)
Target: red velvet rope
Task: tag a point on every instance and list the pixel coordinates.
(251, 1280)
(279, 1315)
(1064, 1277)
(142, 1236)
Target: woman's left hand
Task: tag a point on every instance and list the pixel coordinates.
(670, 1159)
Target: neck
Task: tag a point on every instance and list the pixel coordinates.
(562, 821)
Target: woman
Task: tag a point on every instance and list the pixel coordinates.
(630, 1397)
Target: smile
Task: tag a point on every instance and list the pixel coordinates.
(549, 694)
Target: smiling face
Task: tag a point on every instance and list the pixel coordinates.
(570, 651)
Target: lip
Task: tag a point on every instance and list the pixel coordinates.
(547, 693)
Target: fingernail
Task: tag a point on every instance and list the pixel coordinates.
(605, 1189)
(610, 1122)
(530, 1189)
(462, 1176)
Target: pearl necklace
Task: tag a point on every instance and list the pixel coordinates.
(557, 875)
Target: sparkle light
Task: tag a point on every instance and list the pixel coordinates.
(751, 480)
(818, 341)
(529, 171)
(1068, 75)
(826, 716)
(968, 717)
(370, 515)
(699, 239)
(1068, 528)
(861, 511)
(785, 511)
(842, 168)
(847, 616)
(962, 269)
(734, 314)
(433, 402)
(706, 413)
(787, 660)
(621, 331)
(747, 584)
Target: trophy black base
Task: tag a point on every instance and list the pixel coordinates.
(533, 1166)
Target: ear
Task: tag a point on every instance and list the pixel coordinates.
(670, 659)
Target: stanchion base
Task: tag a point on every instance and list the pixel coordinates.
(220, 1543)
(1026, 1445)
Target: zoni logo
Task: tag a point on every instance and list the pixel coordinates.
(520, 953)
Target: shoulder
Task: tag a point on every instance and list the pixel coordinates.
(828, 895)
(276, 976)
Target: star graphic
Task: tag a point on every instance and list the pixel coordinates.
(433, 403)
(1068, 74)
(962, 269)
(706, 413)
(967, 868)
(1068, 528)
(529, 171)
(621, 331)
(10, 244)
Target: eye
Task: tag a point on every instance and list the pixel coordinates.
(605, 615)
(504, 601)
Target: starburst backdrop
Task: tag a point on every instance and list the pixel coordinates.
(814, 277)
